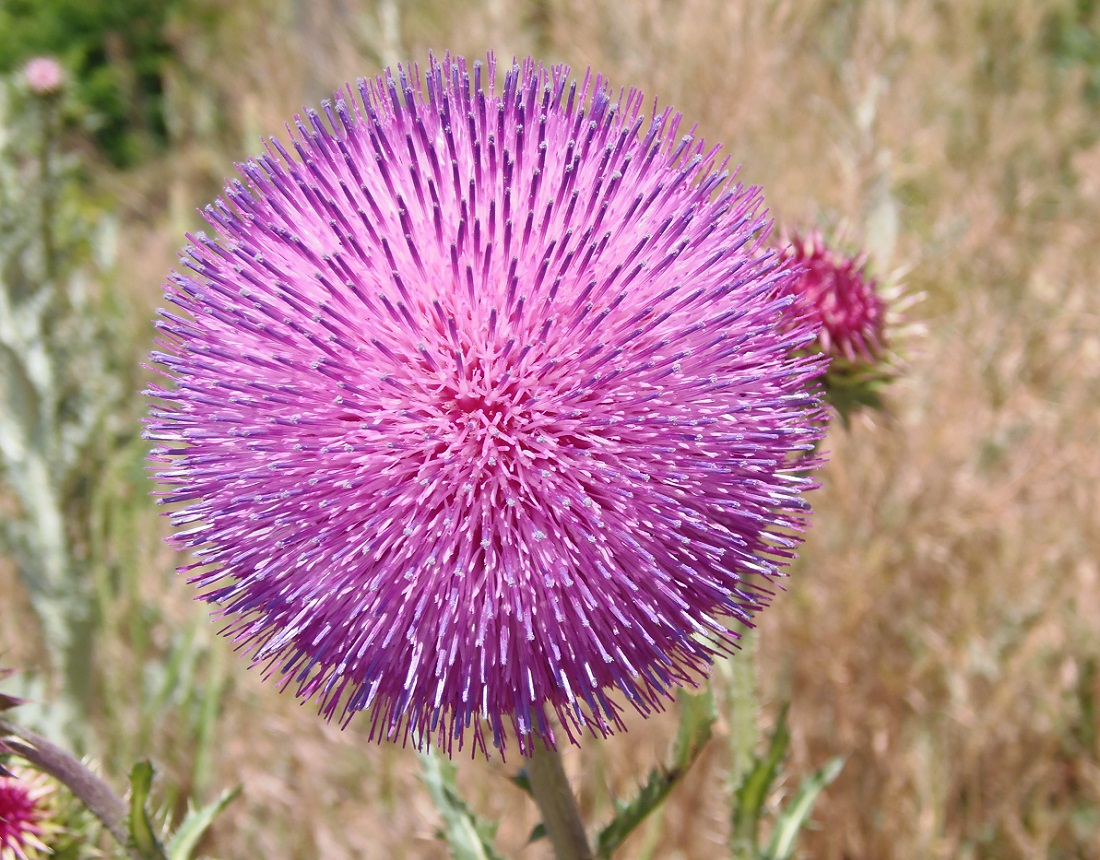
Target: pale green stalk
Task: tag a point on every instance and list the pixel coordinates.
(742, 711)
(560, 815)
(743, 708)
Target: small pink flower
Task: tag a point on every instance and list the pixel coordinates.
(44, 75)
(834, 290)
(24, 812)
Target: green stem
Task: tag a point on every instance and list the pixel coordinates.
(560, 815)
(744, 708)
(46, 188)
(743, 712)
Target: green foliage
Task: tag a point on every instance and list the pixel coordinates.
(178, 845)
(78, 523)
(182, 844)
(1071, 37)
(751, 796)
(797, 813)
(131, 824)
(849, 394)
(166, 677)
(116, 52)
(58, 392)
(140, 823)
(468, 837)
(697, 716)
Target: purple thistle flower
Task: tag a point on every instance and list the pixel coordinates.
(833, 289)
(483, 406)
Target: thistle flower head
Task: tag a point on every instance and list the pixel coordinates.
(25, 811)
(486, 406)
(834, 289)
(44, 75)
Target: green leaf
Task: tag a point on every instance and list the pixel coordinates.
(142, 838)
(629, 815)
(523, 782)
(468, 836)
(795, 816)
(751, 795)
(697, 716)
(195, 824)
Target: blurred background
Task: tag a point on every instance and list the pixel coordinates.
(942, 628)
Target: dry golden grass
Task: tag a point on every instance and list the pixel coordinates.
(942, 629)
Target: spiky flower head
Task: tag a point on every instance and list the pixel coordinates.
(834, 288)
(44, 75)
(483, 406)
(25, 813)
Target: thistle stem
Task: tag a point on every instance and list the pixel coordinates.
(47, 189)
(94, 793)
(743, 714)
(745, 708)
(560, 815)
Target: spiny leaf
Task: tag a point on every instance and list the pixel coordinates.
(195, 824)
(795, 816)
(697, 716)
(751, 795)
(469, 837)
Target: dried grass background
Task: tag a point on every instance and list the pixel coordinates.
(942, 628)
